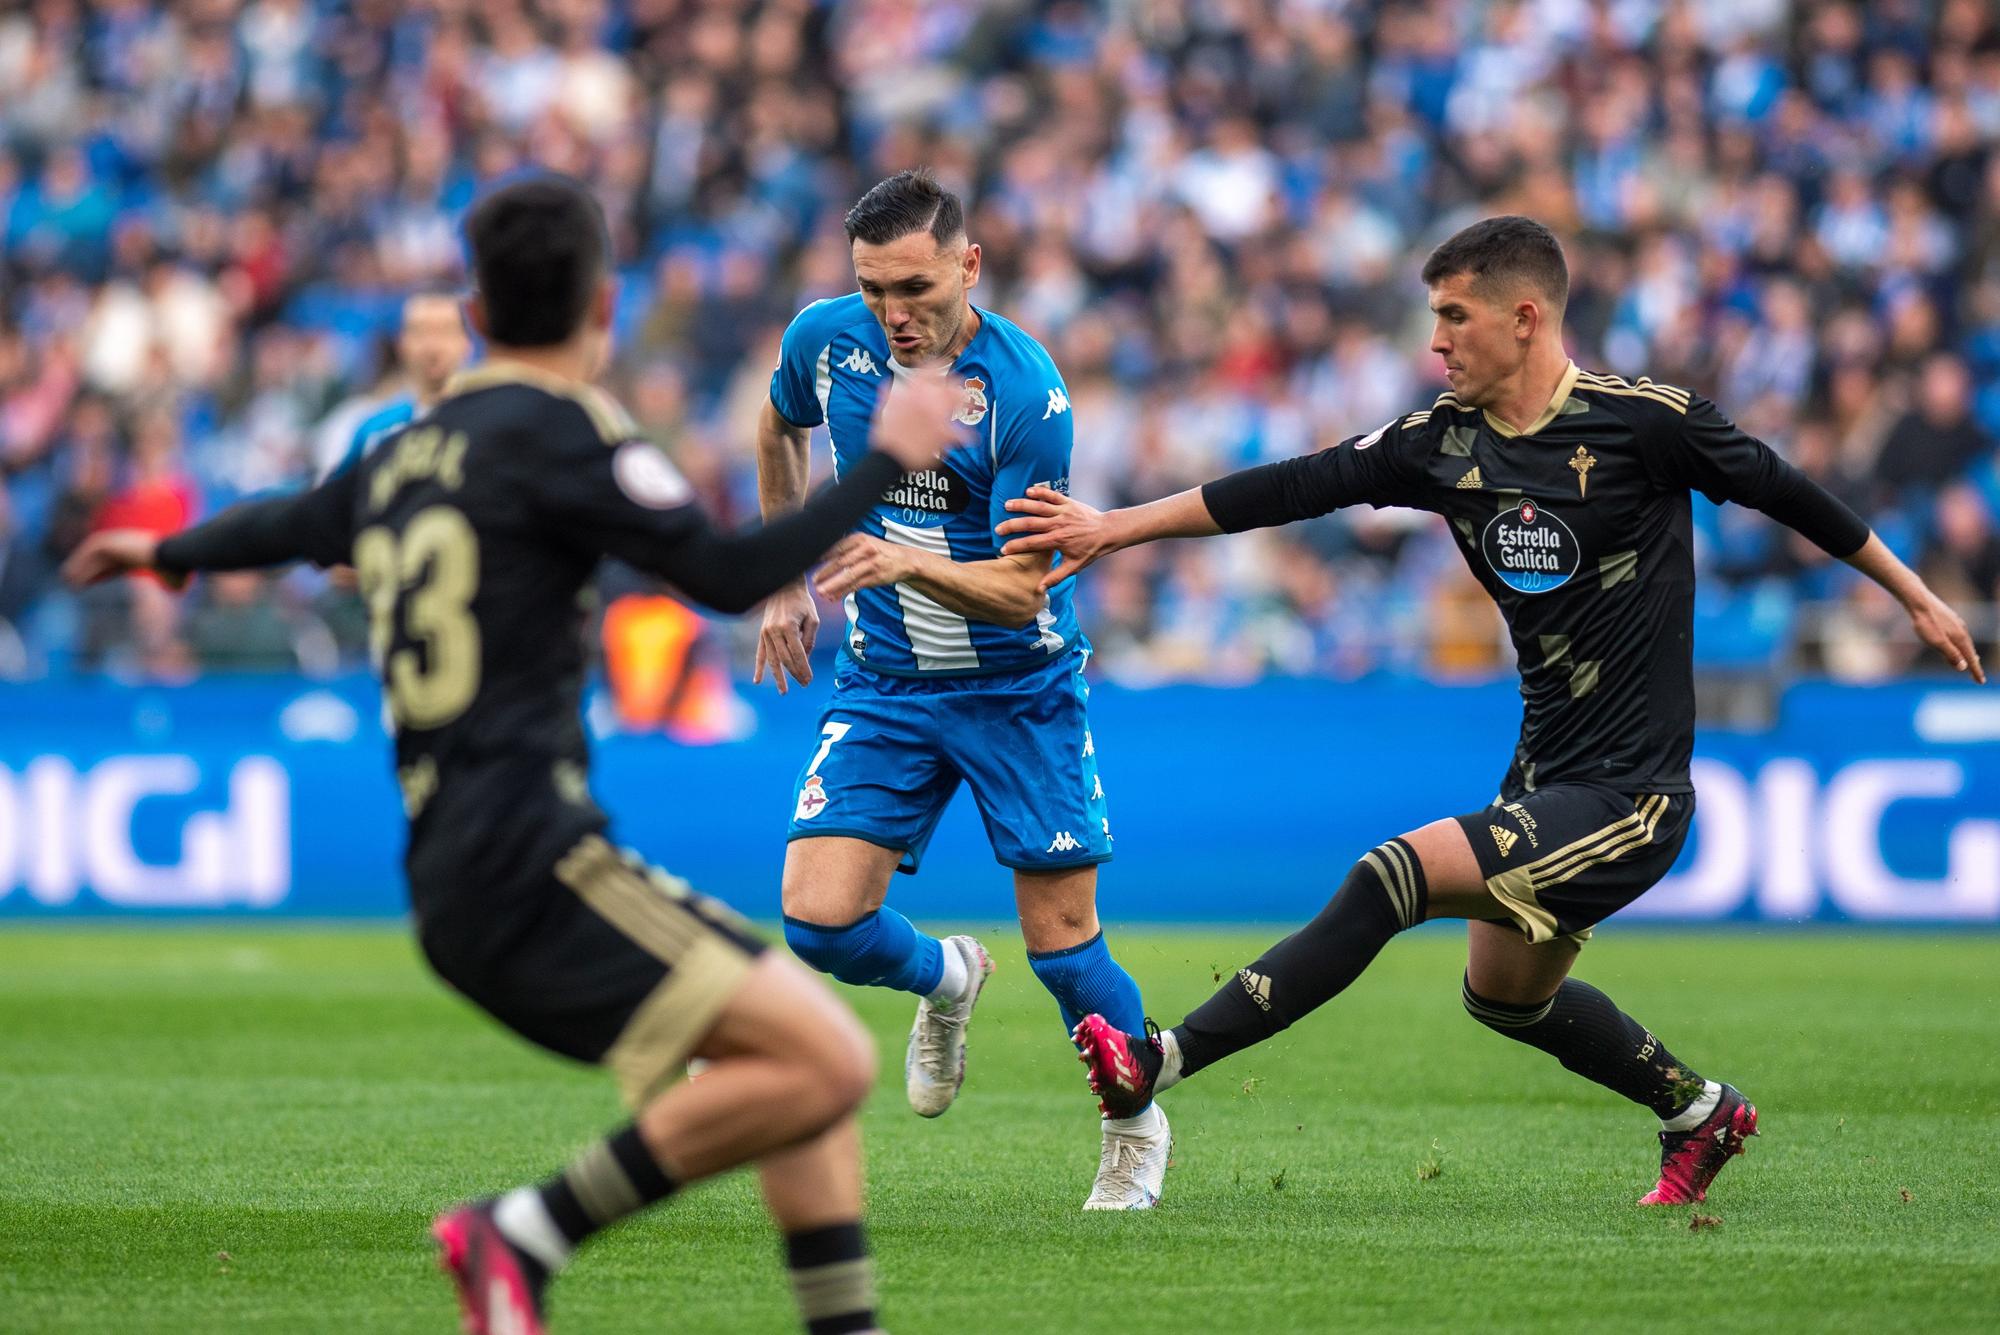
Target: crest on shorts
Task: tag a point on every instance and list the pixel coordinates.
(812, 798)
(972, 409)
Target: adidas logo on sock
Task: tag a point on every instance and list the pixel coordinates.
(1504, 838)
(1258, 986)
(1471, 482)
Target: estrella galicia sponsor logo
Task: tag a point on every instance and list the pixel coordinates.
(928, 495)
(1530, 549)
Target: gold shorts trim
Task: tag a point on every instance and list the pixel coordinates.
(705, 964)
(1518, 889)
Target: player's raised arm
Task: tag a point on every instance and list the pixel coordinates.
(313, 525)
(1350, 473)
(636, 507)
(1712, 454)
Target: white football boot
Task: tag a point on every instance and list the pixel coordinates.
(1133, 1168)
(934, 1064)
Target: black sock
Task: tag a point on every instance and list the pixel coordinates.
(1383, 894)
(833, 1279)
(616, 1177)
(1581, 1028)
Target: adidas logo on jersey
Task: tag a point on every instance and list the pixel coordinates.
(859, 362)
(1471, 482)
(1064, 843)
(1258, 986)
(1506, 839)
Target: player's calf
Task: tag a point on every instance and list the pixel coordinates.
(1384, 893)
(786, 1062)
(879, 949)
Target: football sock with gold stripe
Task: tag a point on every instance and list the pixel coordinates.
(1384, 893)
(1581, 1028)
(832, 1279)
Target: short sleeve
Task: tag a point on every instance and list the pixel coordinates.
(795, 382)
(1033, 447)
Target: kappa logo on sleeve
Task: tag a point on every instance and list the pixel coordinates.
(1058, 403)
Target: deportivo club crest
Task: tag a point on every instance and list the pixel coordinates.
(1582, 461)
(972, 411)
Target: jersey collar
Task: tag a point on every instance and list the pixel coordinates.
(978, 335)
(1549, 414)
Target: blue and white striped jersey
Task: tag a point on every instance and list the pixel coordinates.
(833, 368)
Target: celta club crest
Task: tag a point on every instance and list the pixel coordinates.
(1582, 461)
(972, 409)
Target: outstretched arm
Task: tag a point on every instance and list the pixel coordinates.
(1708, 452)
(1052, 522)
(1936, 624)
(310, 526)
(1380, 468)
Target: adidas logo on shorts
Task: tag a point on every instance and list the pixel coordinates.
(1506, 839)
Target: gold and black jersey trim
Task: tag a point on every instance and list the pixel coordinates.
(614, 426)
(1446, 402)
(1644, 388)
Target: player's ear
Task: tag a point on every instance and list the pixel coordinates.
(1527, 319)
(969, 264)
(604, 305)
(475, 316)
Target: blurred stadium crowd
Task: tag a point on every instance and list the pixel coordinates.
(1213, 211)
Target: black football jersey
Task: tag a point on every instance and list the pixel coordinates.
(475, 531)
(1580, 529)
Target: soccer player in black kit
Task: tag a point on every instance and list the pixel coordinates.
(474, 531)
(1567, 493)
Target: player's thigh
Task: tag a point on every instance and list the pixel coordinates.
(1023, 743)
(1453, 884)
(875, 773)
(601, 958)
(1563, 858)
(833, 879)
(1058, 909)
(1503, 965)
(780, 1009)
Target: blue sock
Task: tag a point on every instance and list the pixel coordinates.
(879, 950)
(1085, 979)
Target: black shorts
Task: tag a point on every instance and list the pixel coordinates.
(598, 956)
(1563, 858)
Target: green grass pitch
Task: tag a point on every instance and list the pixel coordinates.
(247, 1130)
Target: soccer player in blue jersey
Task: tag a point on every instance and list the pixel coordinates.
(954, 666)
(431, 346)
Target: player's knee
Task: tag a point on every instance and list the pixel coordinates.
(1390, 876)
(848, 1062)
(845, 952)
(1503, 1017)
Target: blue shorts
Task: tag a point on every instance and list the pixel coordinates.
(892, 750)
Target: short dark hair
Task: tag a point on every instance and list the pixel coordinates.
(910, 201)
(538, 253)
(1502, 250)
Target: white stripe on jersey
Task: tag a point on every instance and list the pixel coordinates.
(1045, 622)
(852, 605)
(823, 385)
(939, 639)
